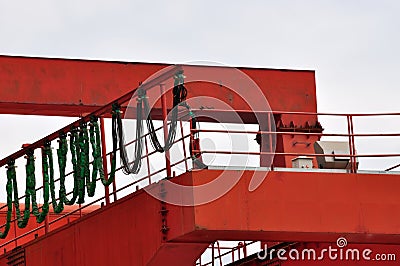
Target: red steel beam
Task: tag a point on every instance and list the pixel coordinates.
(67, 87)
(300, 206)
(288, 206)
(64, 87)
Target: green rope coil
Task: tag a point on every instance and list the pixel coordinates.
(9, 189)
(72, 145)
(48, 165)
(82, 152)
(62, 163)
(30, 191)
(30, 173)
(95, 141)
(23, 221)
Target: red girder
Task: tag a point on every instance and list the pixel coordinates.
(325, 206)
(66, 87)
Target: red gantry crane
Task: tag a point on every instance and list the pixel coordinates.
(304, 195)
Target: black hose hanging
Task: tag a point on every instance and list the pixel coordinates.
(179, 96)
(73, 146)
(143, 108)
(171, 130)
(119, 139)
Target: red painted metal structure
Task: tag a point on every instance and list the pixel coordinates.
(77, 87)
(289, 206)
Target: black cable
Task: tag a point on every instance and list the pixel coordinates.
(179, 96)
(150, 127)
(119, 140)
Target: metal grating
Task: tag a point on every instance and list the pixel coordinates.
(17, 257)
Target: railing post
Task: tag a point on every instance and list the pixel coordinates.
(239, 248)
(114, 182)
(147, 159)
(219, 254)
(165, 127)
(351, 144)
(184, 146)
(354, 145)
(266, 142)
(104, 155)
(271, 138)
(212, 254)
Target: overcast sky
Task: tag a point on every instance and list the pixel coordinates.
(352, 45)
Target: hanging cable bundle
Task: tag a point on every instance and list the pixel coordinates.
(94, 136)
(119, 139)
(30, 193)
(73, 141)
(82, 152)
(179, 99)
(30, 171)
(23, 221)
(62, 162)
(9, 189)
(179, 96)
(47, 162)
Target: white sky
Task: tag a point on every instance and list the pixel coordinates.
(352, 46)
